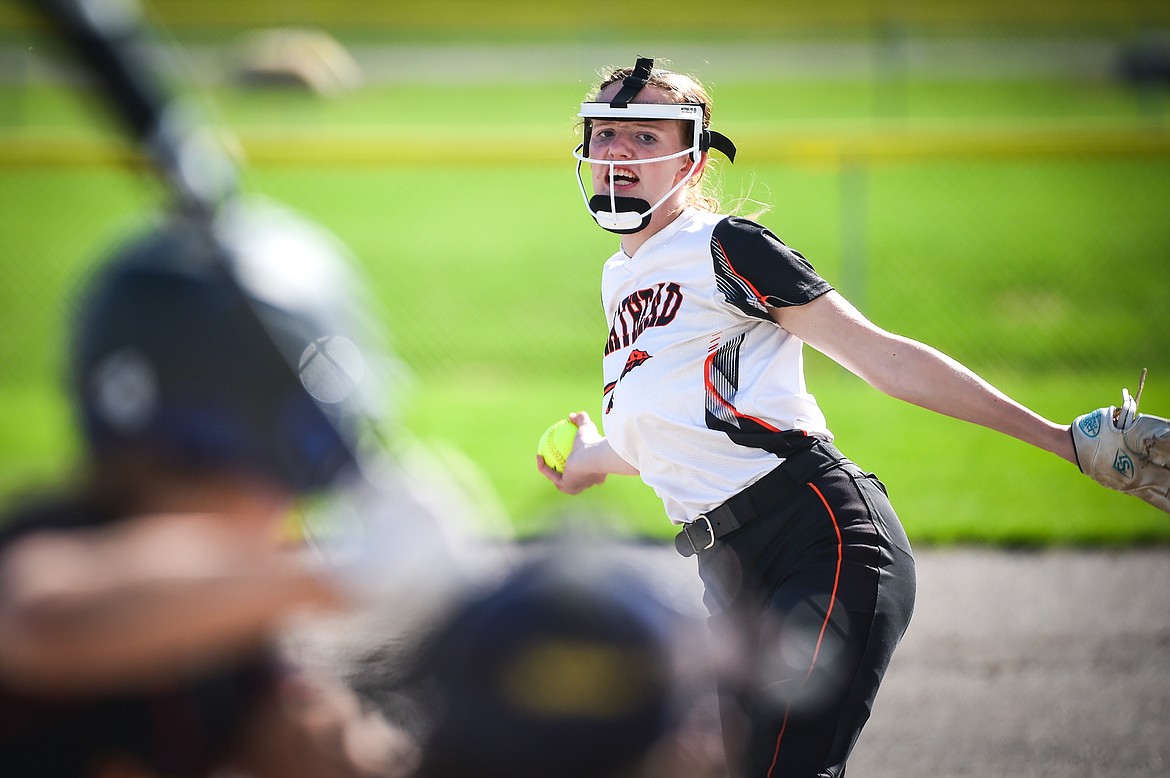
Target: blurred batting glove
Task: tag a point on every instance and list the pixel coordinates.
(1126, 450)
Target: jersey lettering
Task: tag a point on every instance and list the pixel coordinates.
(645, 308)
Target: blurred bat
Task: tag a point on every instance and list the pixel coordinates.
(112, 40)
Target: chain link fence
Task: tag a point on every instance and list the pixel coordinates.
(1029, 239)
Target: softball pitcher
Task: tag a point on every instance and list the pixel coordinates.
(704, 398)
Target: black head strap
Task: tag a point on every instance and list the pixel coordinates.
(633, 83)
(718, 141)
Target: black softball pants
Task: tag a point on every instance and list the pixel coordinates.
(817, 592)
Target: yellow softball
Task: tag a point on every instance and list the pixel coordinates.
(556, 443)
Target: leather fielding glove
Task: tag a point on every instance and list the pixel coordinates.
(1126, 450)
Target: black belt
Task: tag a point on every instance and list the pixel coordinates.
(757, 499)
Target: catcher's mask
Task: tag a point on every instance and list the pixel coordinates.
(237, 343)
(625, 215)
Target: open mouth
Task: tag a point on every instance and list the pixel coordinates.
(620, 177)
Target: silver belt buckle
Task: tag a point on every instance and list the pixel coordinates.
(710, 531)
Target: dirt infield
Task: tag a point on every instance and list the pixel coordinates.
(1021, 665)
(1029, 664)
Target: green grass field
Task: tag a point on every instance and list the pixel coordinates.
(964, 219)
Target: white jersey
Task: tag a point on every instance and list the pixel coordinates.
(704, 392)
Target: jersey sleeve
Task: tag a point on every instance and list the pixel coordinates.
(755, 270)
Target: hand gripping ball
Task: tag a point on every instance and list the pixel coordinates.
(556, 443)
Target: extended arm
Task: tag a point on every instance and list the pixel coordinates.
(916, 373)
(138, 603)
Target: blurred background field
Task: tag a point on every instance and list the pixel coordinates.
(989, 177)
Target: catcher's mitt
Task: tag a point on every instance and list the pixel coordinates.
(1126, 450)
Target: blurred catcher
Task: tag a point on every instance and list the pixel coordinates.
(140, 606)
(222, 369)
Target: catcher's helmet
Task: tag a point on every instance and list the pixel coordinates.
(229, 343)
(564, 669)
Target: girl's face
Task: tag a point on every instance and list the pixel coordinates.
(640, 139)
